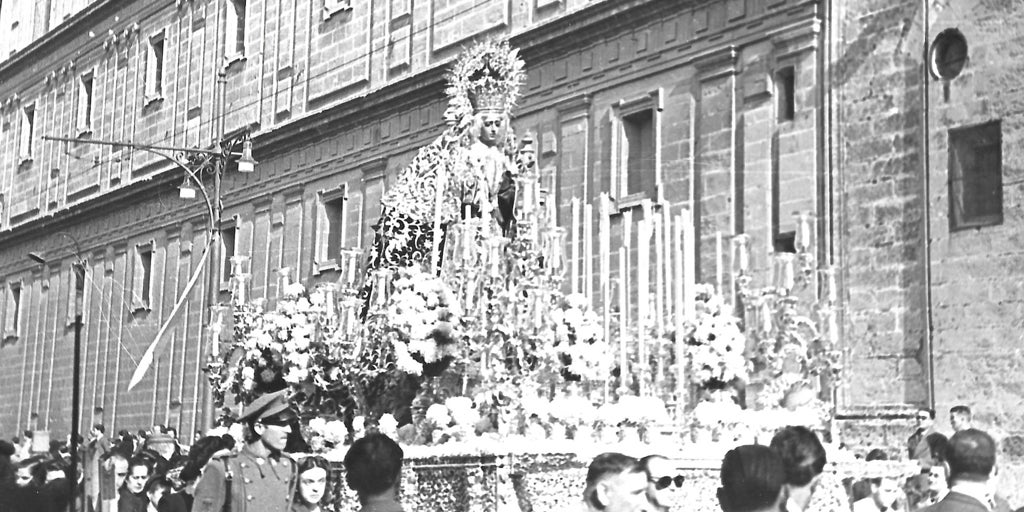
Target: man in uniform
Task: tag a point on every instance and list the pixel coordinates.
(259, 478)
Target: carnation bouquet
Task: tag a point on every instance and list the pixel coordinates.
(423, 318)
(294, 345)
(715, 344)
(579, 340)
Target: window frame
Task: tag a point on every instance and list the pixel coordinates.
(155, 67)
(12, 309)
(73, 291)
(332, 7)
(324, 259)
(229, 225)
(235, 33)
(27, 133)
(621, 111)
(86, 96)
(142, 277)
(973, 137)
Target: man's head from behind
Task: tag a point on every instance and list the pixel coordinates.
(803, 460)
(616, 483)
(373, 465)
(752, 479)
(971, 456)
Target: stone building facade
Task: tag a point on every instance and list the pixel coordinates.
(741, 111)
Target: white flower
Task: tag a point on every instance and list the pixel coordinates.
(388, 425)
(438, 414)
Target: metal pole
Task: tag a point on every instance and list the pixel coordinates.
(76, 413)
(215, 255)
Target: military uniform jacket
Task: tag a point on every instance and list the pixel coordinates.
(257, 484)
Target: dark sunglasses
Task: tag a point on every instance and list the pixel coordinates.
(665, 481)
(277, 422)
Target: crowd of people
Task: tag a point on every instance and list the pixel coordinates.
(153, 473)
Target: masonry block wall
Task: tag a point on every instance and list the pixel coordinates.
(877, 79)
(978, 273)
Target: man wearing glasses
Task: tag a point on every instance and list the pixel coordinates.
(259, 477)
(917, 445)
(661, 476)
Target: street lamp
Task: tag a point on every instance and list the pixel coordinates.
(76, 376)
(195, 162)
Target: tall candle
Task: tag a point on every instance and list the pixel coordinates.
(624, 381)
(643, 277)
(668, 257)
(588, 251)
(690, 264)
(788, 271)
(658, 261)
(719, 277)
(677, 250)
(435, 245)
(574, 240)
(604, 262)
(742, 243)
(804, 228)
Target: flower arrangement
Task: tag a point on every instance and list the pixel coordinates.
(324, 435)
(293, 345)
(579, 341)
(715, 344)
(423, 318)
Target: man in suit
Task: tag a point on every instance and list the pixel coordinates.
(95, 454)
(971, 458)
(917, 445)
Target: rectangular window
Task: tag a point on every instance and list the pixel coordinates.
(85, 103)
(331, 229)
(28, 121)
(332, 7)
(227, 250)
(11, 316)
(976, 176)
(155, 67)
(76, 292)
(785, 92)
(142, 279)
(638, 152)
(234, 44)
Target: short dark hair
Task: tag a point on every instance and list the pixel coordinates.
(373, 464)
(929, 410)
(100, 427)
(938, 444)
(960, 409)
(752, 478)
(603, 466)
(156, 481)
(140, 460)
(803, 456)
(971, 455)
(877, 454)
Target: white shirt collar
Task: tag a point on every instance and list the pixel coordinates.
(793, 506)
(977, 490)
